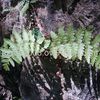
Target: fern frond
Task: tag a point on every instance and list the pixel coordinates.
(54, 52)
(33, 1)
(71, 44)
(68, 50)
(46, 43)
(37, 49)
(87, 37)
(97, 63)
(61, 31)
(16, 37)
(20, 5)
(74, 50)
(40, 40)
(70, 33)
(6, 67)
(80, 51)
(62, 51)
(94, 56)
(79, 35)
(88, 53)
(25, 36)
(11, 62)
(6, 53)
(16, 59)
(53, 35)
(6, 57)
(14, 48)
(96, 40)
(31, 47)
(65, 51)
(31, 36)
(25, 8)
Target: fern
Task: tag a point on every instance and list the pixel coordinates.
(25, 8)
(70, 33)
(96, 40)
(62, 51)
(54, 52)
(33, 1)
(97, 63)
(76, 44)
(80, 51)
(74, 50)
(88, 53)
(70, 44)
(87, 37)
(20, 46)
(94, 55)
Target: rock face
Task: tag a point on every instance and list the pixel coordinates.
(5, 93)
(79, 13)
(52, 14)
(50, 82)
(47, 80)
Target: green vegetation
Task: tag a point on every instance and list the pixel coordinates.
(71, 44)
(74, 44)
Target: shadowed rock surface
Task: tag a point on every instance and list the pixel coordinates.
(40, 81)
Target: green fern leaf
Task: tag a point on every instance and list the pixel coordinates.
(96, 40)
(97, 64)
(88, 53)
(16, 53)
(16, 59)
(71, 45)
(20, 5)
(33, 1)
(32, 47)
(5, 45)
(17, 37)
(54, 52)
(20, 50)
(25, 36)
(87, 38)
(70, 34)
(14, 49)
(31, 36)
(18, 56)
(47, 43)
(79, 36)
(40, 40)
(26, 48)
(53, 35)
(12, 62)
(37, 49)
(6, 67)
(11, 44)
(74, 50)
(41, 50)
(68, 50)
(12, 38)
(4, 60)
(94, 54)
(80, 50)
(24, 9)
(61, 31)
(6, 53)
(62, 51)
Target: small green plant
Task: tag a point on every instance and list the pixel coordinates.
(76, 44)
(22, 45)
(71, 45)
